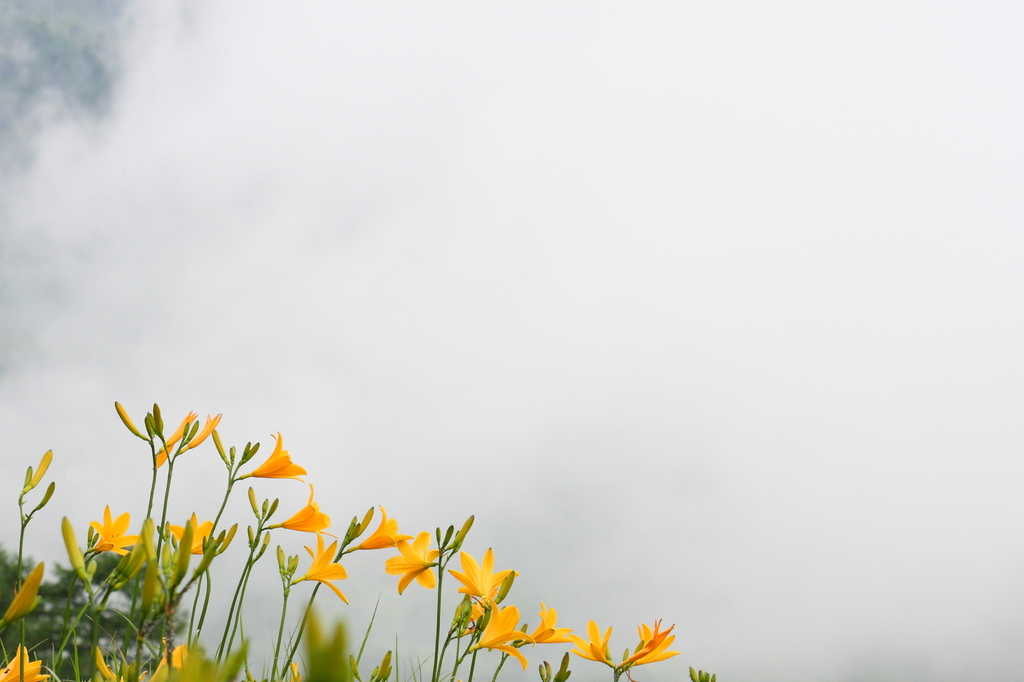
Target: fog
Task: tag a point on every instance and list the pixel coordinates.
(707, 314)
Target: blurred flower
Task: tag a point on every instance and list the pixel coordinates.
(546, 632)
(323, 568)
(414, 563)
(169, 443)
(502, 627)
(597, 648)
(386, 534)
(309, 519)
(101, 666)
(653, 645)
(13, 672)
(200, 531)
(278, 465)
(112, 537)
(479, 581)
(204, 433)
(178, 658)
(26, 598)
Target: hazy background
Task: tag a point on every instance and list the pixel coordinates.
(708, 314)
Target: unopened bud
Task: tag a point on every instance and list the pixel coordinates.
(506, 585)
(461, 537)
(123, 414)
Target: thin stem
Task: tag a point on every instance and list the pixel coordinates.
(238, 590)
(280, 636)
(437, 624)
(472, 666)
(504, 657)
(302, 627)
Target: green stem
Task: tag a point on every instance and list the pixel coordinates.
(238, 591)
(280, 636)
(238, 613)
(472, 665)
(302, 627)
(137, 582)
(504, 657)
(206, 603)
(437, 624)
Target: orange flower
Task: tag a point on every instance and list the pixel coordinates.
(414, 563)
(204, 433)
(653, 645)
(323, 568)
(479, 581)
(178, 658)
(546, 632)
(597, 648)
(200, 531)
(278, 465)
(12, 673)
(169, 443)
(308, 519)
(111, 532)
(386, 534)
(502, 627)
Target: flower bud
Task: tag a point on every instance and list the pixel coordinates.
(26, 599)
(123, 414)
(506, 585)
(46, 496)
(74, 553)
(461, 537)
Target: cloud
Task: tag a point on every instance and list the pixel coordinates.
(707, 315)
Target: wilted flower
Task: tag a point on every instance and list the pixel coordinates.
(415, 562)
(112, 537)
(204, 433)
(653, 645)
(170, 442)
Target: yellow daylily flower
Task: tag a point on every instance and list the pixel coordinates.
(169, 443)
(26, 598)
(597, 648)
(308, 519)
(323, 569)
(479, 581)
(502, 628)
(13, 672)
(204, 433)
(653, 646)
(111, 532)
(546, 632)
(296, 677)
(101, 666)
(278, 465)
(200, 531)
(178, 658)
(415, 562)
(386, 534)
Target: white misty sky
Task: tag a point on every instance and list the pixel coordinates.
(708, 314)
